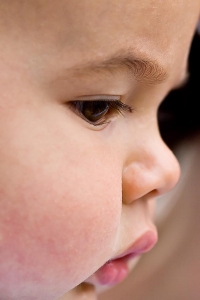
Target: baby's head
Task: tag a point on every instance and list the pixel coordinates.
(81, 158)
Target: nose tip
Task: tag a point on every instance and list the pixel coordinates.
(154, 172)
(171, 173)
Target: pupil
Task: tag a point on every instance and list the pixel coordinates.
(94, 110)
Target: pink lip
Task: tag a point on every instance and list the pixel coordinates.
(143, 244)
(116, 270)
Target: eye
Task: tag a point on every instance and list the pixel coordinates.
(93, 111)
(98, 112)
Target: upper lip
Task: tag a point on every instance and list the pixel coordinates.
(143, 244)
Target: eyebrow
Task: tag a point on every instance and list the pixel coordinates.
(142, 68)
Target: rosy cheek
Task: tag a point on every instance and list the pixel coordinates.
(54, 233)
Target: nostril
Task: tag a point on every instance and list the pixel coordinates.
(140, 182)
(154, 193)
(150, 180)
(151, 195)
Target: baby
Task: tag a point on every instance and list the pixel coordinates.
(81, 157)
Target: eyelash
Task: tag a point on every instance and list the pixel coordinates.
(111, 108)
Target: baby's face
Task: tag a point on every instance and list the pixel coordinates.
(81, 158)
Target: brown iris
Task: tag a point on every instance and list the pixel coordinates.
(99, 112)
(94, 111)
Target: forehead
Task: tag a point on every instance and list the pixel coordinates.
(76, 20)
(93, 30)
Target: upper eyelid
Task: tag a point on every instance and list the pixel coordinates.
(98, 97)
(115, 104)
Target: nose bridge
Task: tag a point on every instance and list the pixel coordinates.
(151, 169)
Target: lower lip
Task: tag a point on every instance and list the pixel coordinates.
(115, 271)
(112, 272)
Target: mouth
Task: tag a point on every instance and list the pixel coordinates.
(116, 270)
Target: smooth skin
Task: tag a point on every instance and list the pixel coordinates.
(75, 195)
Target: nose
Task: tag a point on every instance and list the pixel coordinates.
(150, 171)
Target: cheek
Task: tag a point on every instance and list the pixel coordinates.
(59, 218)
